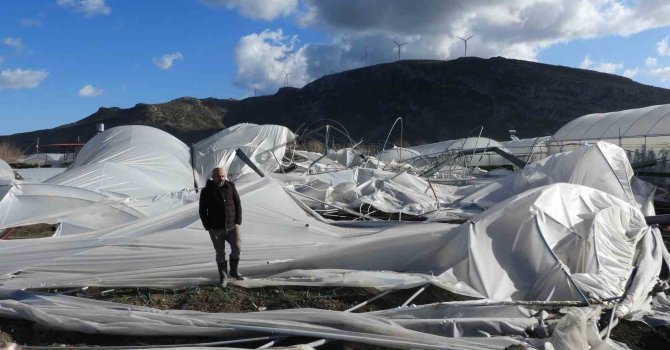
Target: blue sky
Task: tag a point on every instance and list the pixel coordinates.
(60, 60)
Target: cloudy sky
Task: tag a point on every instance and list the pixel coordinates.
(60, 60)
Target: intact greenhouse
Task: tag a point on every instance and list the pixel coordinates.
(644, 132)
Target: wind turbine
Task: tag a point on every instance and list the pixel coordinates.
(466, 44)
(286, 78)
(365, 55)
(399, 46)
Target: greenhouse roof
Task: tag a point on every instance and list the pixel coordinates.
(641, 122)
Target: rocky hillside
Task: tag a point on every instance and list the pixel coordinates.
(438, 100)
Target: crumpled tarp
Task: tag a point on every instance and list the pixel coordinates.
(130, 172)
(602, 166)
(537, 246)
(568, 228)
(265, 145)
(386, 191)
(408, 328)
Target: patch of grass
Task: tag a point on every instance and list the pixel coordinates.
(32, 231)
(236, 299)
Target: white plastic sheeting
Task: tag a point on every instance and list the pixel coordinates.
(134, 161)
(602, 166)
(83, 210)
(386, 191)
(6, 173)
(313, 162)
(39, 175)
(551, 255)
(640, 122)
(130, 172)
(530, 150)
(656, 313)
(435, 149)
(397, 154)
(568, 228)
(120, 175)
(265, 145)
(387, 329)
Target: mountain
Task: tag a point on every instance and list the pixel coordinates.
(438, 100)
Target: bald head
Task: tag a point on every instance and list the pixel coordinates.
(218, 175)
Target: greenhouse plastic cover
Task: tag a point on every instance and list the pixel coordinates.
(453, 145)
(134, 161)
(418, 328)
(126, 173)
(539, 240)
(386, 191)
(640, 122)
(6, 172)
(264, 144)
(602, 166)
(492, 256)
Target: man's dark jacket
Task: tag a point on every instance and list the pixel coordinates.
(220, 206)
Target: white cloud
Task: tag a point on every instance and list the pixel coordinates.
(509, 28)
(259, 9)
(586, 63)
(661, 73)
(662, 47)
(264, 59)
(87, 7)
(31, 22)
(21, 78)
(16, 43)
(604, 67)
(168, 60)
(90, 91)
(630, 73)
(650, 62)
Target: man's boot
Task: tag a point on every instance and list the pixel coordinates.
(234, 263)
(223, 271)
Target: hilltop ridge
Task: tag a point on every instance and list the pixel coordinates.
(438, 100)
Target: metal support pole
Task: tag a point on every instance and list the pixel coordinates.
(414, 295)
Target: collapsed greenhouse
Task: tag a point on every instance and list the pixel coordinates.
(543, 254)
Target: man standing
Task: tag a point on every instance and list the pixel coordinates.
(221, 215)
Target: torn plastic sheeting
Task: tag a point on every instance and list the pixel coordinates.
(492, 257)
(578, 330)
(385, 191)
(91, 316)
(470, 318)
(26, 203)
(602, 166)
(265, 145)
(526, 234)
(656, 313)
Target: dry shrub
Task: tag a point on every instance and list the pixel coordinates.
(315, 146)
(10, 152)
